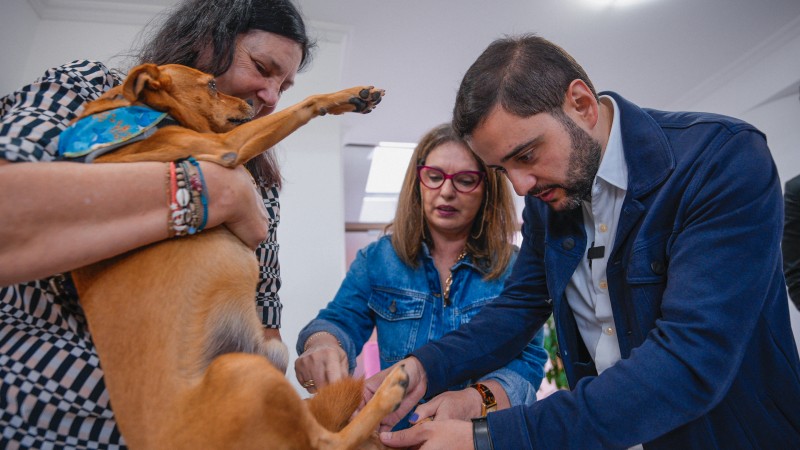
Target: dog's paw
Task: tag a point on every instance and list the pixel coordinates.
(367, 99)
(361, 99)
(393, 389)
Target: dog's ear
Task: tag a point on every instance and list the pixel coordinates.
(145, 76)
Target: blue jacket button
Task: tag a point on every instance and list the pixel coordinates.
(658, 267)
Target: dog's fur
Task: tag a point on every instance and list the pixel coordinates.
(183, 352)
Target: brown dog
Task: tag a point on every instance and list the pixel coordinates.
(183, 352)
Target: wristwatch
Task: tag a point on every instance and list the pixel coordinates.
(488, 403)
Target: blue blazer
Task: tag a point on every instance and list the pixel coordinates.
(697, 291)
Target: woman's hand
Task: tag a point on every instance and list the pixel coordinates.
(234, 201)
(323, 362)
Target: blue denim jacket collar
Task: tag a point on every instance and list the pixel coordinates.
(468, 260)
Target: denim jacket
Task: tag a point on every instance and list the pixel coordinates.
(405, 304)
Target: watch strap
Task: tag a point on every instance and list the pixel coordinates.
(480, 434)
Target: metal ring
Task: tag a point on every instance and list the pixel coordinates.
(308, 384)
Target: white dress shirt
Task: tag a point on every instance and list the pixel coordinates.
(587, 291)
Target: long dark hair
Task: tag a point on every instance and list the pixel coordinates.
(525, 74)
(210, 28)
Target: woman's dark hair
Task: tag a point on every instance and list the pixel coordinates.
(210, 28)
(196, 26)
(525, 74)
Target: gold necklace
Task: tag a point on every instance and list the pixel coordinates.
(449, 281)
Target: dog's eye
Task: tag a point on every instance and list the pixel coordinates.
(212, 85)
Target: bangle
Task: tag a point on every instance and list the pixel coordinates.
(179, 199)
(188, 198)
(313, 335)
(480, 434)
(488, 402)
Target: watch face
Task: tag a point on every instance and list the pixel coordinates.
(489, 403)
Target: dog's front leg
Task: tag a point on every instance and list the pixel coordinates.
(253, 138)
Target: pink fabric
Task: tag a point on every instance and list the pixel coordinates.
(372, 362)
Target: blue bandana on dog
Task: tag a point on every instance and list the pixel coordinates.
(105, 131)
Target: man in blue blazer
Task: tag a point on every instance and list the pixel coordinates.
(654, 239)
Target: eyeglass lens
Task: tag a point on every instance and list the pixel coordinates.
(464, 182)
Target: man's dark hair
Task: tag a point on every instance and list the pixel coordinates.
(524, 74)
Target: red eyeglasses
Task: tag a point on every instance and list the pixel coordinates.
(464, 182)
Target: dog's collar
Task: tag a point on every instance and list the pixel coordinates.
(100, 133)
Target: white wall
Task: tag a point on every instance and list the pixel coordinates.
(17, 29)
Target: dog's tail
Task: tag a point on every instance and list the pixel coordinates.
(277, 353)
(335, 403)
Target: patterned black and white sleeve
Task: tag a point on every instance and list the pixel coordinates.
(33, 116)
(268, 302)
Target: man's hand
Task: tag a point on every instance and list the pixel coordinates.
(417, 385)
(449, 434)
(459, 405)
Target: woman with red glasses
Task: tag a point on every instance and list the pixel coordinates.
(446, 254)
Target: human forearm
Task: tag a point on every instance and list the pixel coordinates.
(522, 377)
(61, 216)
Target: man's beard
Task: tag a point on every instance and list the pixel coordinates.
(584, 162)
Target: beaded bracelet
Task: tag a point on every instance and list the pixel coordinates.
(199, 185)
(190, 207)
(188, 201)
(177, 211)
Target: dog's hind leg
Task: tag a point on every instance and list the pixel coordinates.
(386, 399)
(334, 404)
(243, 402)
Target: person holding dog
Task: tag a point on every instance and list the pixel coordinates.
(447, 256)
(59, 216)
(636, 225)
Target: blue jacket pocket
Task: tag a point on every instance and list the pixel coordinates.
(398, 317)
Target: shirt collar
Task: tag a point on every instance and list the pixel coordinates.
(613, 169)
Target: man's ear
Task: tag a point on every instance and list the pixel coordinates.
(581, 102)
(145, 76)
